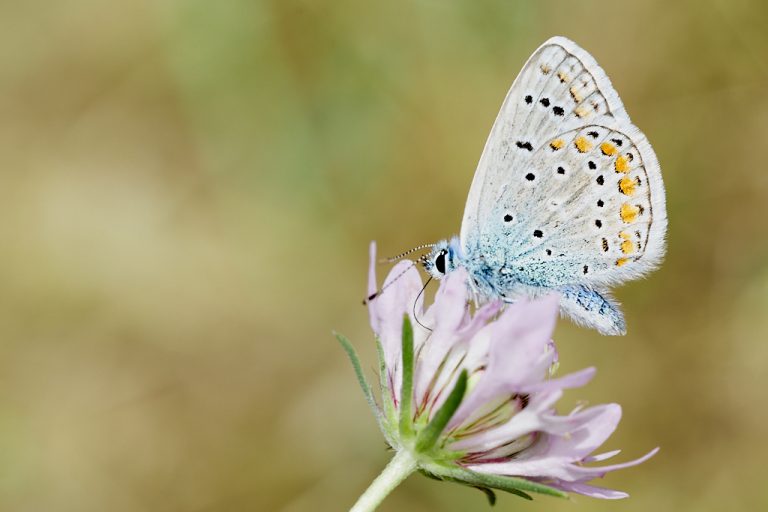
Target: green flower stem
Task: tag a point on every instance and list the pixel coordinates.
(398, 469)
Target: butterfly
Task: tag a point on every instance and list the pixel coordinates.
(567, 196)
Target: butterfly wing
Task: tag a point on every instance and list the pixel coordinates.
(591, 308)
(567, 191)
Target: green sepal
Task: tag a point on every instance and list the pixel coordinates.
(517, 486)
(484, 489)
(429, 436)
(352, 354)
(386, 394)
(382, 365)
(488, 494)
(406, 390)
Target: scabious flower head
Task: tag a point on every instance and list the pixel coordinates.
(470, 396)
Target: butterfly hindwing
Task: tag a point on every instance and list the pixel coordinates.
(586, 211)
(591, 308)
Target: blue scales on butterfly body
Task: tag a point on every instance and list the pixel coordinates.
(567, 197)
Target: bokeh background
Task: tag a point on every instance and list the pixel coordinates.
(187, 193)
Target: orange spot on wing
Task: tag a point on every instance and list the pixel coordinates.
(608, 149)
(575, 94)
(627, 186)
(629, 212)
(627, 247)
(622, 164)
(557, 144)
(621, 261)
(581, 111)
(582, 144)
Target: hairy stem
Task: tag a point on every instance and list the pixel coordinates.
(398, 469)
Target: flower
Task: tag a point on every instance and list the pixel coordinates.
(469, 396)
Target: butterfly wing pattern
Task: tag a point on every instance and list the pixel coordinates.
(568, 193)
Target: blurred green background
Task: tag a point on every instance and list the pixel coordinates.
(188, 190)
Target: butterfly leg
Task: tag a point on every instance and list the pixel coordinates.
(590, 308)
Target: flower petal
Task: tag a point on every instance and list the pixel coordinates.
(526, 421)
(590, 472)
(572, 380)
(590, 429)
(450, 312)
(451, 302)
(602, 456)
(557, 467)
(522, 339)
(397, 298)
(590, 490)
(480, 319)
(518, 340)
(534, 419)
(372, 284)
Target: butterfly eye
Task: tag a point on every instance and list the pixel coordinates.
(440, 262)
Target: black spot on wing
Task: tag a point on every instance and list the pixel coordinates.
(524, 145)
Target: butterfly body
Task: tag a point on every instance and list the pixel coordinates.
(567, 197)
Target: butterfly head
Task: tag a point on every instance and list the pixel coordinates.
(442, 259)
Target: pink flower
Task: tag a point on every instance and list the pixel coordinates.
(485, 380)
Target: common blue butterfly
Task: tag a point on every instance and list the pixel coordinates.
(567, 196)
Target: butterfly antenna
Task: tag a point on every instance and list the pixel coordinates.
(417, 301)
(387, 285)
(406, 253)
